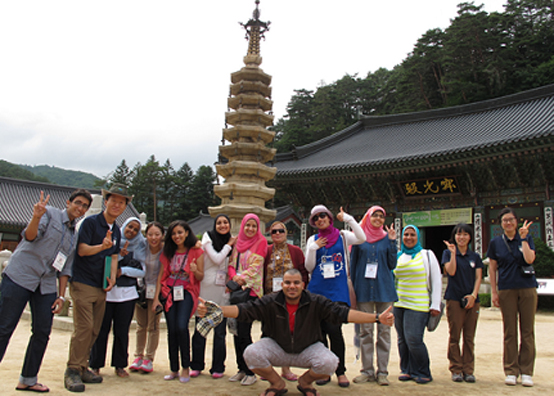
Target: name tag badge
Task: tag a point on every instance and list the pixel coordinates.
(371, 271)
(150, 291)
(277, 284)
(220, 277)
(329, 271)
(178, 293)
(59, 261)
(472, 264)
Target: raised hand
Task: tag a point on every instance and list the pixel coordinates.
(232, 241)
(124, 251)
(524, 230)
(451, 247)
(340, 215)
(391, 231)
(107, 243)
(39, 209)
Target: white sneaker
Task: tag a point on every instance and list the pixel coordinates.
(238, 376)
(248, 380)
(526, 380)
(510, 380)
(135, 366)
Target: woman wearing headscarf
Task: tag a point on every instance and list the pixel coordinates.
(516, 295)
(464, 269)
(282, 256)
(419, 287)
(217, 245)
(148, 320)
(246, 269)
(325, 260)
(371, 264)
(120, 301)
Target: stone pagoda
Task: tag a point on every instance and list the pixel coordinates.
(245, 172)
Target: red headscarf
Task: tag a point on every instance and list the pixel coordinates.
(257, 244)
(372, 233)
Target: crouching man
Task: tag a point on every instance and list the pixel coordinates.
(292, 334)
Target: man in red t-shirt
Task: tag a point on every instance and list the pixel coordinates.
(292, 335)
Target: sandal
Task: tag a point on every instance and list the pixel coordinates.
(121, 372)
(421, 380)
(405, 377)
(171, 376)
(276, 392)
(34, 388)
(307, 391)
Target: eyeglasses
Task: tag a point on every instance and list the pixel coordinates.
(318, 216)
(80, 204)
(510, 220)
(378, 215)
(277, 231)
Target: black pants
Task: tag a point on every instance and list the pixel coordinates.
(242, 340)
(121, 314)
(334, 332)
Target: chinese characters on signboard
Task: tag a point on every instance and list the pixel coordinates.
(432, 186)
(398, 228)
(478, 234)
(548, 230)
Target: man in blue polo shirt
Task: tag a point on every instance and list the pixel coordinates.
(99, 237)
(44, 255)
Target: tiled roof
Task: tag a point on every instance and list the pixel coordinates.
(435, 135)
(17, 198)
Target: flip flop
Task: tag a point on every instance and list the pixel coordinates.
(276, 392)
(31, 388)
(307, 391)
(405, 377)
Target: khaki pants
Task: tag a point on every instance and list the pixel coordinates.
(148, 331)
(520, 303)
(89, 304)
(369, 343)
(461, 320)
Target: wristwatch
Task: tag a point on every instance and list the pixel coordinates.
(377, 319)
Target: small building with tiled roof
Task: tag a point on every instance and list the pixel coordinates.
(17, 198)
(436, 168)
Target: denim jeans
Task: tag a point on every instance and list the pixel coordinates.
(178, 337)
(219, 350)
(13, 300)
(410, 326)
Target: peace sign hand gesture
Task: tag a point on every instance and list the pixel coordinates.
(524, 230)
(391, 231)
(39, 209)
(451, 247)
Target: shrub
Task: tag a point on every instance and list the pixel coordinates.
(485, 299)
(544, 262)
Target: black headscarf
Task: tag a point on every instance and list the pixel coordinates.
(219, 240)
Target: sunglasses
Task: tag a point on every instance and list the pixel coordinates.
(278, 231)
(318, 216)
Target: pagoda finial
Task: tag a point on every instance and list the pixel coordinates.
(255, 30)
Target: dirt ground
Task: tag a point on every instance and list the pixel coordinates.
(488, 369)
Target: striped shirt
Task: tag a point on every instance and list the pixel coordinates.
(411, 283)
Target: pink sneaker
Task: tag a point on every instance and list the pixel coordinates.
(135, 366)
(194, 373)
(217, 375)
(147, 366)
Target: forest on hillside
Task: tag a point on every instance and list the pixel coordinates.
(479, 56)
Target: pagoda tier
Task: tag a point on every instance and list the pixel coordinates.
(253, 132)
(244, 190)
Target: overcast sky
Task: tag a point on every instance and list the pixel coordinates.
(85, 84)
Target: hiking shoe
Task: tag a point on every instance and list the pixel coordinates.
(363, 377)
(72, 380)
(511, 380)
(526, 380)
(88, 377)
(147, 366)
(238, 376)
(135, 366)
(248, 380)
(469, 378)
(382, 379)
(457, 377)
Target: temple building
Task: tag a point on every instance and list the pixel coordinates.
(243, 162)
(436, 168)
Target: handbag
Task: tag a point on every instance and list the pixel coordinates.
(141, 290)
(238, 294)
(526, 270)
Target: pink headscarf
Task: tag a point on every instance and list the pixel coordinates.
(257, 242)
(372, 233)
